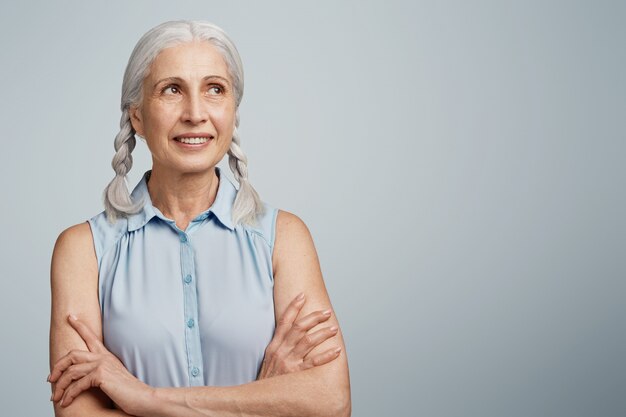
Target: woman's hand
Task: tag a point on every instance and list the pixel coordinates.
(81, 370)
(288, 350)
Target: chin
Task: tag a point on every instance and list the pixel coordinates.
(198, 168)
(190, 164)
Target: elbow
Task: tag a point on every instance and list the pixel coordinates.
(341, 405)
(339, 395)
(332, 403)
(344, 408)
(332, 393)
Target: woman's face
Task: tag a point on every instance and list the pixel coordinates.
(188, 111)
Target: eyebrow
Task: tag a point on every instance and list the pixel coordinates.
(180, 80)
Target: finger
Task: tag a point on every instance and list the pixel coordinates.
(321, 358)
(91, 339)
(312, 340)
(72, 358)
(303, 325)
(72, 373)
(286, 320)
(75, 388)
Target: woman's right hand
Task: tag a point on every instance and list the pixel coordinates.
(288, 350)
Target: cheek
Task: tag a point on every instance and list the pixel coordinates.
(225, 124)
(225, 118)
(161, 123)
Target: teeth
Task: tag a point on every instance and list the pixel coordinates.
(192, 141)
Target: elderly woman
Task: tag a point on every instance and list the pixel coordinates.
(190, 297)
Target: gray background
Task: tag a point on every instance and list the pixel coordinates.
(461, 166)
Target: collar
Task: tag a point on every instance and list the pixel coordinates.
(221, 208)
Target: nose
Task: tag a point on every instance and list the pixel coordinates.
(195, 110)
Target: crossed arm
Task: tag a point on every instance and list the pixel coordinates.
(319, 391)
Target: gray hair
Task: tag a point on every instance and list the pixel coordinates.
(117, 199)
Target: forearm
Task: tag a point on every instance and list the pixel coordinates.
(83, 406)
(305, 393)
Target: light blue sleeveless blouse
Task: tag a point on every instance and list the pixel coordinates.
(187, 307)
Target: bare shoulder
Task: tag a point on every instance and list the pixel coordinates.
(290, 230)
(74, 238)
(296, 264)
(73, 252)
(293, 238)
(74, 271)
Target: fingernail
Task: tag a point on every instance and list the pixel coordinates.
(72, 317)
(337, 351)
(48, 378)
(334, 329)
(51, 397)
(61, 402)
(300, 296)
(327, 312)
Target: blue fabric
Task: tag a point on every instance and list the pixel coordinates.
(187, 308)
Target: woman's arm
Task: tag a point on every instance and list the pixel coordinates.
(74, 283)
(320, 391)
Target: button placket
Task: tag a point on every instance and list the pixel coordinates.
(192, 333)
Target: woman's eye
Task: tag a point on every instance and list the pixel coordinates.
(215, 89)
(172, 88)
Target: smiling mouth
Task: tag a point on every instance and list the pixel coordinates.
(193, 141)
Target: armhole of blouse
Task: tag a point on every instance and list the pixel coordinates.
(96, 247)
(273, 230)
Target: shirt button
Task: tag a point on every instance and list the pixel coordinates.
(195, 371)
(183, 238)
(190, 323)
(187, 279)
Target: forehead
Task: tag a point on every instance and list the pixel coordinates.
(188, 60)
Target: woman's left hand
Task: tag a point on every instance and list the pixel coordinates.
(81, 370)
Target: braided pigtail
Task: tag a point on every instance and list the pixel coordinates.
(117, 200)
(248, 204)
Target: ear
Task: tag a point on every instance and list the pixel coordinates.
(136, 119)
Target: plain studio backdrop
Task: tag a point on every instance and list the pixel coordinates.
(461, 166)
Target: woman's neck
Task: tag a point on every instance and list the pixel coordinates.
(182, 197)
